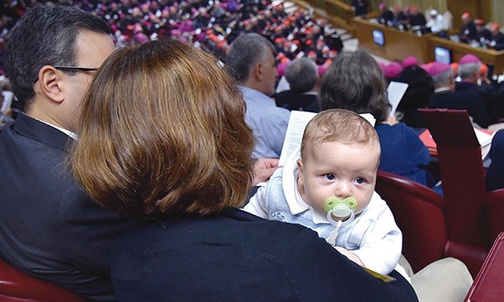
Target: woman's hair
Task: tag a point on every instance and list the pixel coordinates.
(355, 82)
(338, 125)
(162, 132)
(418, 95)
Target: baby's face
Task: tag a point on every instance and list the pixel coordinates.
(340, 170)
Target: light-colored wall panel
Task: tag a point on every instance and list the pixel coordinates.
(498, 11)
(439, 5)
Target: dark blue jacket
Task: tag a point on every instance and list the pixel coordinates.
(236, 256)
(403, 153)
(495, 174)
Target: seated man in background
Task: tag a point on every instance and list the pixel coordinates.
(469, 69)
(251, 61)
(302, 76)
(446, 97)
(435, 22)
(496, 38)
(416, 17)
(49, 227)
(468, 29)
(483, 35)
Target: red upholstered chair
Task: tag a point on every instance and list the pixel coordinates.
(419, 213)
(473, 216)
(16, 286)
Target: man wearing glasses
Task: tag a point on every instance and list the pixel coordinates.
(48, 227)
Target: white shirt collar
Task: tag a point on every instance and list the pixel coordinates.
(67, 132)
(294, 200)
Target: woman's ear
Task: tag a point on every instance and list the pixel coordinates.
(49, 82)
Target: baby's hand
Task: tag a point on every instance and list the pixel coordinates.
(349, 255)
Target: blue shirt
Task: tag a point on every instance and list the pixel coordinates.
(268, 122)
(403, 153)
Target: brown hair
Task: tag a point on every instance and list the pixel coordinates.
(355, 81)
(162, 132)
(338, 125)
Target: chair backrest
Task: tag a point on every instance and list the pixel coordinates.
(494, 213)
(462, 174)
(17, 286)
(419, 213)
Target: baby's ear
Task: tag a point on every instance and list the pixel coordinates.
(301, 172)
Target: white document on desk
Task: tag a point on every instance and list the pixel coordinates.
(294, 134)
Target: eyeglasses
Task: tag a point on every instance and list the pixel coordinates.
(76, 68)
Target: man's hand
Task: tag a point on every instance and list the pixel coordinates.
(264, 168)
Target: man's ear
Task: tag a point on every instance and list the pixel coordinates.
(258, 71)
(49, 82)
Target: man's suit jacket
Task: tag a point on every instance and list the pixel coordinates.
(49, 227)
(494, 178)
(297, 101)
(463, 100)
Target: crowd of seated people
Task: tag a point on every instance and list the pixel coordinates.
(211, 25)
(477, 33)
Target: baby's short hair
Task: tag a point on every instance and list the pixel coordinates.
(339, 125)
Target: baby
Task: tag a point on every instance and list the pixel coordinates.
(328, 185)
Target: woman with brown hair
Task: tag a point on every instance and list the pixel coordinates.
(355, 82)
(163, 140)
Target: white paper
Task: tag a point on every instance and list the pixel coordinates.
(483, 137)
(396, 90)
(294, 134)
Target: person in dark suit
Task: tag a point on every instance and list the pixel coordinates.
(469, 70)
(494, 178)
(196, 171)
(302, 76)
(497, 38)
(468, 29)
(482, 35)
(386, 16)
(416, 17)
(49, 227)
(360, 7)
(446, 97)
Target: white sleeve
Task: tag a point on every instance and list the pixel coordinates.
(257, 203)
(381, 244)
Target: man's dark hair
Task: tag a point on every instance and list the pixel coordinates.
(45, 35)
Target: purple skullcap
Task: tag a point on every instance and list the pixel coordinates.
(382, 66)
(425, 67)
(281, 68)
(321, 70)
(409, 61)
(392, 70)
(469, 58)
(437, 68)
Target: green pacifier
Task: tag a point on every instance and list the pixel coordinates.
(335, 207)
